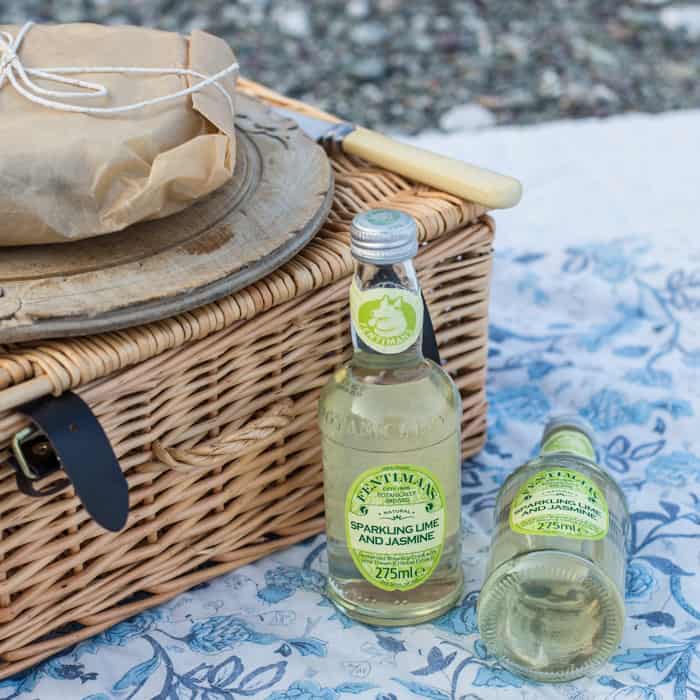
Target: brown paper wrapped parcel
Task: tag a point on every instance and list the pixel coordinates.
(66, 176)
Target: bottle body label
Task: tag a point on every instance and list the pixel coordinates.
(560, 502)
(387, 319)
(395, 525)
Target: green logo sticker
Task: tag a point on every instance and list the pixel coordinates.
(560, 502)
(569, 441)
(387, 319)
(395, 525)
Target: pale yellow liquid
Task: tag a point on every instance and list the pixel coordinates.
(374, 412)
(552, 608)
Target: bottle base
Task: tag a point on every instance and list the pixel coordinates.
(394, 612)
(550, 616)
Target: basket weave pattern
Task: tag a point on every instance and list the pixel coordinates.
(212, 415)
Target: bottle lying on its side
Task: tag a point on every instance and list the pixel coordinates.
(552, 606)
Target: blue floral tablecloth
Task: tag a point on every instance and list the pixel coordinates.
(609, 328)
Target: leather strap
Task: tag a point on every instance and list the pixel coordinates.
(430, 346)
(83, 451)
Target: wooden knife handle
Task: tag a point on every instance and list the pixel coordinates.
(447, 174)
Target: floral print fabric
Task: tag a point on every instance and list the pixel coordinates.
(609, 330)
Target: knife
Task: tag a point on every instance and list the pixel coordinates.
(456, 177)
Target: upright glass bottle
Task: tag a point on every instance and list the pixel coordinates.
(552, 606)
(390, 425)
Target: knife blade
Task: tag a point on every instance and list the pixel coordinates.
(456, 177)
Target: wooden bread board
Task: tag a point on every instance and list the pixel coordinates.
(277, 200)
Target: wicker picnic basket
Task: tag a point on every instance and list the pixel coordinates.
(212, 415)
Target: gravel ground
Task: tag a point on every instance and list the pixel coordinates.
(409, 65)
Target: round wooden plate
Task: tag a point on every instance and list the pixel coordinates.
(279, 197)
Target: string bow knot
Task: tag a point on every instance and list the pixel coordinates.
(8, 56)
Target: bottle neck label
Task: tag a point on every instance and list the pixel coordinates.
(388, 320)
(572, 441)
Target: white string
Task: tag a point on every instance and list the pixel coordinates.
(20, 77)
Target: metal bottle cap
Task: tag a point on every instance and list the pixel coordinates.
(383, 237)
(569, 420)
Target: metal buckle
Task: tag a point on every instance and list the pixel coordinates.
(33, 452)
(66, 448)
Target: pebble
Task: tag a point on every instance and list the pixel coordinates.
(423, 43)
(358, 9)
(194, 23)
(467, 117)
(292, 20)
(371, 68)
(641, 18)
(233, 13)
(576, 94)
(464, 64)
(651, 3)
(368, 34)
(682, 17)
(587, 51)
(483, 35)
(442, 23)
(516, 46)
(387, 6)
(372, 93)
(117, 20)
(549, 84)
(516, 99)
(603, 94)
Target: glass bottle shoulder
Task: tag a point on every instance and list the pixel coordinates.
(423, 381)
(419, 394)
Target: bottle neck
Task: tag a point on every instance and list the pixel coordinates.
(568, 440)
(387, 312)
